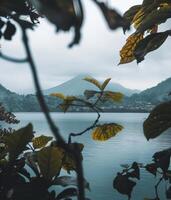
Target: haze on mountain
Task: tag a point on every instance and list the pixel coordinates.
(76, 86)
(28, 103)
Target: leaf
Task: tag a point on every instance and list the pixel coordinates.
(162, 159)
(67, 103)
(152, 168)
(9, 31)
(138, 18)
(106, 131)
(50, 161)
(70, 192)
(31, 161)
(90, 93)
(68, 181)
(123, 184)
(127, 51)
(114, 96)
(113, 18)
(149, 43)
(136, 171)
(41, 141)
(69, 160)
(105, 83)
(17, 141)
(93, 81)
(158, 121)
(59, 95)
(157, 16)
(129, 14)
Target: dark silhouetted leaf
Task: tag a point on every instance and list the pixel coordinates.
(150, 43)
(70, 192)
(152, 168)
(123, 184)
(158, 121)
(68, 181)
(162, 159)
(9, 31)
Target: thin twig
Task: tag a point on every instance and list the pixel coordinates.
(85, 130)
(10, 59)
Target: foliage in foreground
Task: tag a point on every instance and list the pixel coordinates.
(20, 149)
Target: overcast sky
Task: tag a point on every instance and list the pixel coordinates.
(97, 55)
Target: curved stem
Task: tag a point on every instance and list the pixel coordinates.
(85, 130)
(10, 59)
(39, 94)
(54, 129)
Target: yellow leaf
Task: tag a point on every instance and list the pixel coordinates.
(106, 131)
(59, 95)
(50, 161)
(138, 18)
(41, 141)
(93, 81)
(67, 103)
(115, 96)
(105, 83)
(127, 52)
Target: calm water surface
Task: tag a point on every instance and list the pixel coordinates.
(102, 159)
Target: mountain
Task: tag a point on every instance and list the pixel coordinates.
(142, 102)
(24, 103)
(76, 86)
(156, 94)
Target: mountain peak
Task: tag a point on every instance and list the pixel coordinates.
(76, 86)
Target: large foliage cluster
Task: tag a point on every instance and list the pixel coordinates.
(30, 165)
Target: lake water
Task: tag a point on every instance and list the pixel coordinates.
(102, 159)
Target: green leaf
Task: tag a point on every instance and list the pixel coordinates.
(50, 161)
(158, 121)
(41, 141)
(18, 140)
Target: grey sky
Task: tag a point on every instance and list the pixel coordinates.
(97, 55)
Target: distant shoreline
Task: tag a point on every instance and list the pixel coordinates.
(86, 112)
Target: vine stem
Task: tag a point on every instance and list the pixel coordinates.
(54, 129)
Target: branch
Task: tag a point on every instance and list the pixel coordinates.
(54, 129)
(10, 59)
(39, 94)
(93, 107)
(85, 130)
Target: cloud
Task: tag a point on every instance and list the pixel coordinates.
(97, 54)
